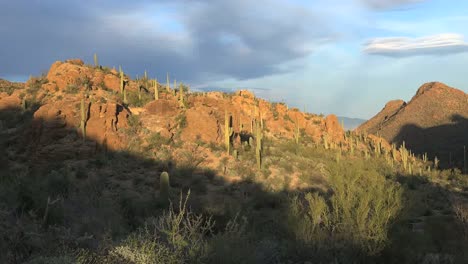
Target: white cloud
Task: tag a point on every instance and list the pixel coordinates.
(442, 44)
(387, 4)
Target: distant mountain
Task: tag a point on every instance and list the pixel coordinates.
(434, 121)
(350, 123)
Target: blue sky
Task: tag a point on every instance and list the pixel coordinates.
(347, 57)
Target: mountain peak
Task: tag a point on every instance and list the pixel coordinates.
(426, 123)
(436, 87)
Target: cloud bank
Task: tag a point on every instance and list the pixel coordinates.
(442, 44)
(198, 41)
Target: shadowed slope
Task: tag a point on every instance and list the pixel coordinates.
(434, 121)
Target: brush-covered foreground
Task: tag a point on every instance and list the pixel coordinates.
(356, 210)
(308, 202)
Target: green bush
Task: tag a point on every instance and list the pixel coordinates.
(355, 217)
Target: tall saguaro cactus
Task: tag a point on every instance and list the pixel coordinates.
(258, 145)
(404, 156)
(156, 91)
(325, 141)
(125, 96)
(297, 132)
(228, 131)
(181, 96)
(140, 87)
(84, 118)
(96, 64)
(121, 80)
(168, 85)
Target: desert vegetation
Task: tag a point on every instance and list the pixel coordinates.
(115, 171)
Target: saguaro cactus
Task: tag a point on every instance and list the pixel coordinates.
(325, 141)
(404, 155)
(121, 80)
(181, 96)
(125, 96)
(84, 118)
(297, 132)
(156, 91)
(228, 131)
(96, 64)
(251, 142)
(378, 147)
(394, 153)
(258, 145)
(140, 87)
(164, 186)
(168, 85)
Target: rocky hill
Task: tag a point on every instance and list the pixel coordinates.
(97, 167)
(435, 121)
(55, 103)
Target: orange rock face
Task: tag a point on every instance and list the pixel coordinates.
(333, 128)
(74, 72)
(55, 131)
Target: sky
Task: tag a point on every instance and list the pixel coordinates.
(346, 57)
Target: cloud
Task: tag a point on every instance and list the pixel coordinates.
(388, 4)
(197, 41)
(442, 44)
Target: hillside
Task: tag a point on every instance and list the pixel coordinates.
(434, 121)
(97, 167)
(350, 123)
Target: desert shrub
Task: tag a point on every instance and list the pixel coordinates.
(181, 119)
(66, 259)
(245, 170)
(192, 157)
(355, 218)
(134, 207)
(135, 100)
(36, 84)
(460, 208)
(8, 89)
(215, 147)
(134, 125)
(58, 183)
(156, 140)
(71, 89)
(232, 244)
(286, 117)
(177, 236)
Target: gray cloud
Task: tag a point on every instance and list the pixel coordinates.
(442, 44)
(213, 39)
(388, 4)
